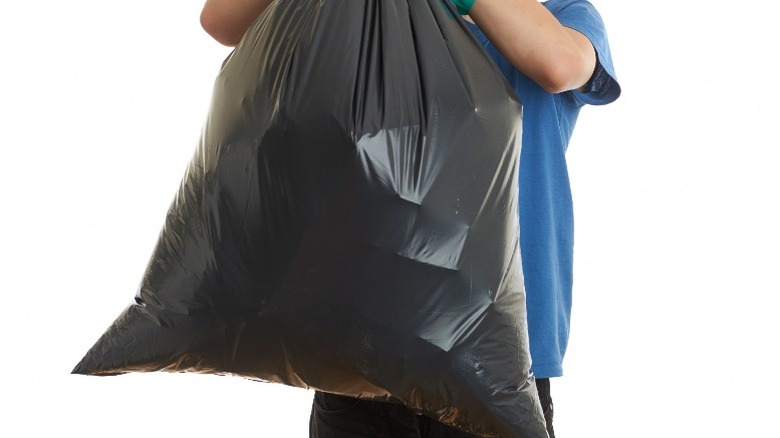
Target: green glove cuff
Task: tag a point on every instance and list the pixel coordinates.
(463, 6)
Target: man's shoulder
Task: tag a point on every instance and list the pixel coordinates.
(583, 17)
(556, 6)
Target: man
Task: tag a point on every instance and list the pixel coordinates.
(556, 57)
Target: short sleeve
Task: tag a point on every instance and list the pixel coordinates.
(583, 17)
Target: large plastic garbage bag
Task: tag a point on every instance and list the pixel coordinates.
(348, 222)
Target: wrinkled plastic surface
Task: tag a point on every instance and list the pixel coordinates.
(348, 222)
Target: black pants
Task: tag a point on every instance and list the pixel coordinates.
(335, 416)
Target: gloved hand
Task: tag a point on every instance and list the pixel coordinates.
(463, 6)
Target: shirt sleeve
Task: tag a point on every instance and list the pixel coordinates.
(582, 16)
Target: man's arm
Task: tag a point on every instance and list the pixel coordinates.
(227, 20)
(531, 38)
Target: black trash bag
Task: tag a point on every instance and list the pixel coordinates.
(348, 222)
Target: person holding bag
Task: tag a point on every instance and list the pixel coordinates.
(556, 57)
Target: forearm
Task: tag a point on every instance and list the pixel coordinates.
(227, 20)
(531, 38)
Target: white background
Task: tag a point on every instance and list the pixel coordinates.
(677, 199)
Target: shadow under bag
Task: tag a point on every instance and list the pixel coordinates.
(348, 222)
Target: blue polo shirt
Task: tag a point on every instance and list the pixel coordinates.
(546, 215)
